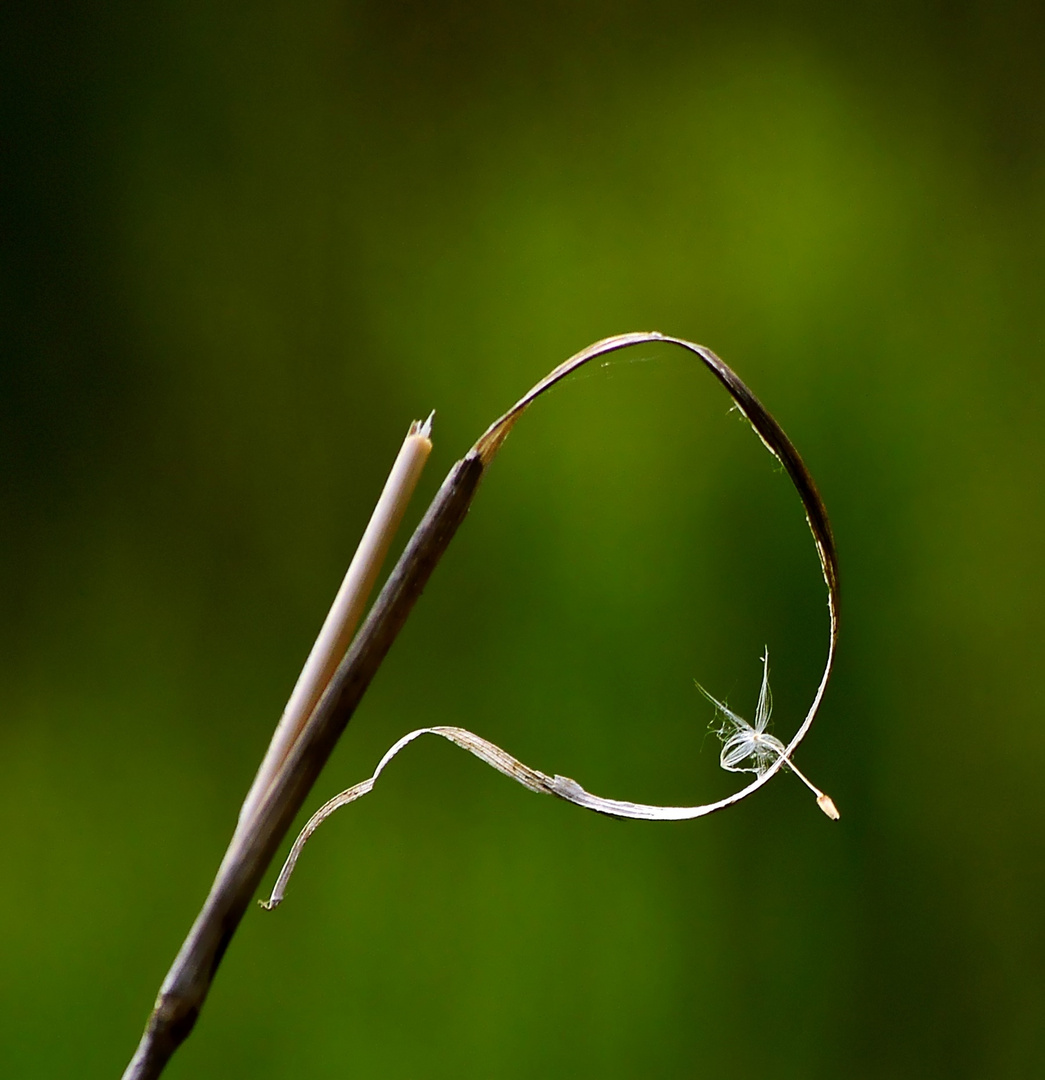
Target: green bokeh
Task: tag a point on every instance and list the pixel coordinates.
(244, 246)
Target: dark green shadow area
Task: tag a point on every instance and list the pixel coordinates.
(241, 247)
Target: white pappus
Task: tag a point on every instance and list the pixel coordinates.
(750, 748)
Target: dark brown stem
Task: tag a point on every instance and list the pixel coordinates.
(187, 983)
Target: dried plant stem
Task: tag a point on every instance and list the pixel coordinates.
(347, 609)
(255, 842)
(186, 985)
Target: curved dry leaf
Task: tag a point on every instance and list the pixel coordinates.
(484, 450)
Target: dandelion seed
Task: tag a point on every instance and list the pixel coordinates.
(750, 748)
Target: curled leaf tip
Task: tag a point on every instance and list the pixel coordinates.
(748, 747)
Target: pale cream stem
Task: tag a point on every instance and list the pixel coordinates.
(346, 611)
(825, 802)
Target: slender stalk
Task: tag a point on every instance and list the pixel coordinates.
(253, 846)
(347, 609)
(825, 802)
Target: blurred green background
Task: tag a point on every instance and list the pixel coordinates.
(244, 245)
